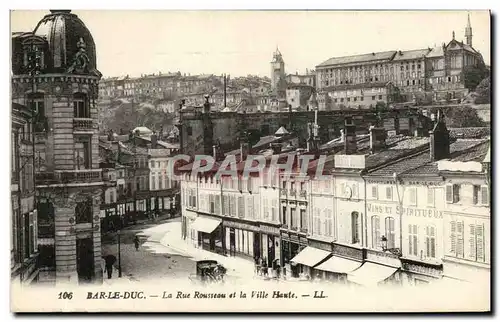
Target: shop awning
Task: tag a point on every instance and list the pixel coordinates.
(339, 265)
(206, 225)
(310, 256)
(370, 274)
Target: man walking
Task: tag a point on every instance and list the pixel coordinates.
(109, 261)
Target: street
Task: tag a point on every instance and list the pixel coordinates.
(145, 263)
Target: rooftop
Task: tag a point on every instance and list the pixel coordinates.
(384, 55)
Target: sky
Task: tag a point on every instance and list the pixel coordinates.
(133, 42)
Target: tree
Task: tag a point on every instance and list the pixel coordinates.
(483, 91)
(463, 117)
(473, 75)
(381, 106)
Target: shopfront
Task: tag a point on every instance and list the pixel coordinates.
(291, 245)
(420, 273)
(208, 233)
(241, 239)
(270, 247)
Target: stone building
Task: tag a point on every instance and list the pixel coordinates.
(68, 178)
(439, 70)
(23, 224)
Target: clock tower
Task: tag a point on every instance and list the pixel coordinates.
(278, 82)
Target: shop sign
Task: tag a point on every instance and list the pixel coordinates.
(426, 270)
(320, 245)
(240, 226)
(348, 251)
(386, 209)
(383, 258)
(270, 230)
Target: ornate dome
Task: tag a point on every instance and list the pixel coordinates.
(70, 44)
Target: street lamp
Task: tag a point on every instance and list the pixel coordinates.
(395, 251)
(119, 255)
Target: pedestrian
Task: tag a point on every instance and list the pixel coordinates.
(257, 266)
(109, 261)
(136, 242)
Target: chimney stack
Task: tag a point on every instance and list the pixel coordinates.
(439, 139)
(377, 139)
(350, 143)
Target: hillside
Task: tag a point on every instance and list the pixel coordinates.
(123, 115)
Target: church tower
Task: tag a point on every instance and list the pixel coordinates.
(468, 32)
(278, 82)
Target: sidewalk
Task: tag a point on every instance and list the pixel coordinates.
(171, 240)
(166, 238)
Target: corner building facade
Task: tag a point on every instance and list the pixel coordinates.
(61, 88)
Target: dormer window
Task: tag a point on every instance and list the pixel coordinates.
(81, 106)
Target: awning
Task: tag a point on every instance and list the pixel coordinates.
(310, 256)
(339, 265)
(206, 225)
(370, 274)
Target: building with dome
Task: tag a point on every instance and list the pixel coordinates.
(55, 73)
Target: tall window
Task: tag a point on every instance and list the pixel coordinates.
(430, 241)
(37, 105)
(265, 205)
(375, 232)
(83, 211)
(283, 213)
(452, 193)
(241, 207)
(274, 210)
(303, 219)
(355, 227)
(81, 107)
(412, 196)
(390, 232)
(83, 159)
(317, 222)
(293, 218)
(374, 192)
(212, 203)
(328, 223)
(476, 243)
(413, 240)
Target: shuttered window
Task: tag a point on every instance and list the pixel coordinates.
(374, 192)
(453, 237)
(241, 207)
(485, 196)
(413, 240)
(430, 241)
(390, 233)
(472, 242)
(375, 232)
(317, 221)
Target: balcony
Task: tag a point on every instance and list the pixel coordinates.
(293, 192)
(283, 192)
(83, 124)
(69, 176)
(303, 194)
(303, 230)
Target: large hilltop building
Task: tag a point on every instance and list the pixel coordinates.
(362, 80)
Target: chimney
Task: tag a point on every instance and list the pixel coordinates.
(350, 143)
(206, 105)
(439, 138)
(154, 140)
(377, 139)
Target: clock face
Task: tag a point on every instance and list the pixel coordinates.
(348, 192)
